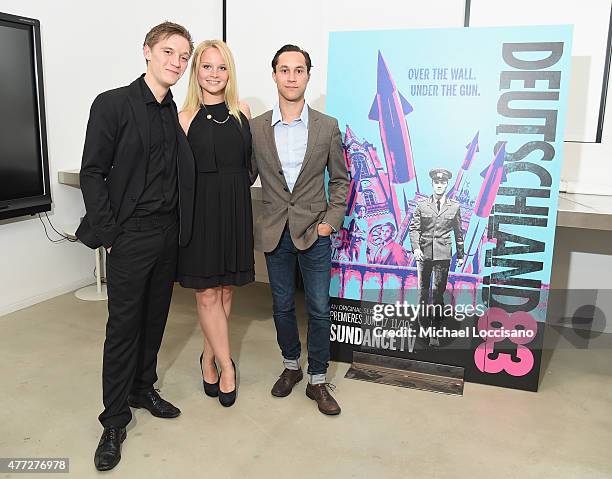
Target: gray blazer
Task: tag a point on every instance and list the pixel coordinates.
(430, 231)
(307, 206)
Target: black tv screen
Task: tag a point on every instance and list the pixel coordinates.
(24, 170)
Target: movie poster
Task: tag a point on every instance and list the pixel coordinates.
(453, 141)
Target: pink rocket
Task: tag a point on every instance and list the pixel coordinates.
(472, 149)
(389, 109)
(494, 175)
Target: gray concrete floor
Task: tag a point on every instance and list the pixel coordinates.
(51, 354)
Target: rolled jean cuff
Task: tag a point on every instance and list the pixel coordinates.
(316, 378)
(293, 364)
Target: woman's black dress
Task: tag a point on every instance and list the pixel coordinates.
(220, 251)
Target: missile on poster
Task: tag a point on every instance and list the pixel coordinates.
(494, 175)
(472, 149)
(388, 109)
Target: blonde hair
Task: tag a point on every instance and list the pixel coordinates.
(195, 97)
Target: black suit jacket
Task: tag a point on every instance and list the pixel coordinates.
(113, 170)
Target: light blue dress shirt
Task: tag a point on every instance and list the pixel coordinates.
(291, 139)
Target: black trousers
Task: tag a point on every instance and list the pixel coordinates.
(141, 268)
(439, 270)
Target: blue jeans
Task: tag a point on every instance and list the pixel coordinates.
(315, 266)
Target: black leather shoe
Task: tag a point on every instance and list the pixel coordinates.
(210, 389)
(228, 399)
(108, 452)
(154, 403)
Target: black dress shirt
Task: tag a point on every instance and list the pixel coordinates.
(160, 194)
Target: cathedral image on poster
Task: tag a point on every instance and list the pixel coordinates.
(453, 143)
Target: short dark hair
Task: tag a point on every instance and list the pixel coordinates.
(291, 48)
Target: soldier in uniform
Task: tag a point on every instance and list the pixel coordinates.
(430, 235)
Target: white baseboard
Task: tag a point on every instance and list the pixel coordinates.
(51, 293)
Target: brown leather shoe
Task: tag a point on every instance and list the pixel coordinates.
(286, 381)
(319, 393)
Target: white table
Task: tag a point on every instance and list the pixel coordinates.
(94, 292)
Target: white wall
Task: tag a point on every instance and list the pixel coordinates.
(87, 47)
(583, 163)
(275, 23)
(589, 46)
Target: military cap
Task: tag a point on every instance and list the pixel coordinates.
(440, 174)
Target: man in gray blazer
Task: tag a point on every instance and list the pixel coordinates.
(293, 146)
(430, 236)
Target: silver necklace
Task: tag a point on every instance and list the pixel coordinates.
(210, 117)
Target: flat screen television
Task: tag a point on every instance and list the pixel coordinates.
(24, 166)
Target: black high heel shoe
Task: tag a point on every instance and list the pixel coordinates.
(210, 389)
(228, 399)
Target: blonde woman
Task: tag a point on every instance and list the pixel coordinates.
(220, 253)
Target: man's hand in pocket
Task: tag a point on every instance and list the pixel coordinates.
(324, 229)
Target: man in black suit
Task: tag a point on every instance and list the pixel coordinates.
(137, 180)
